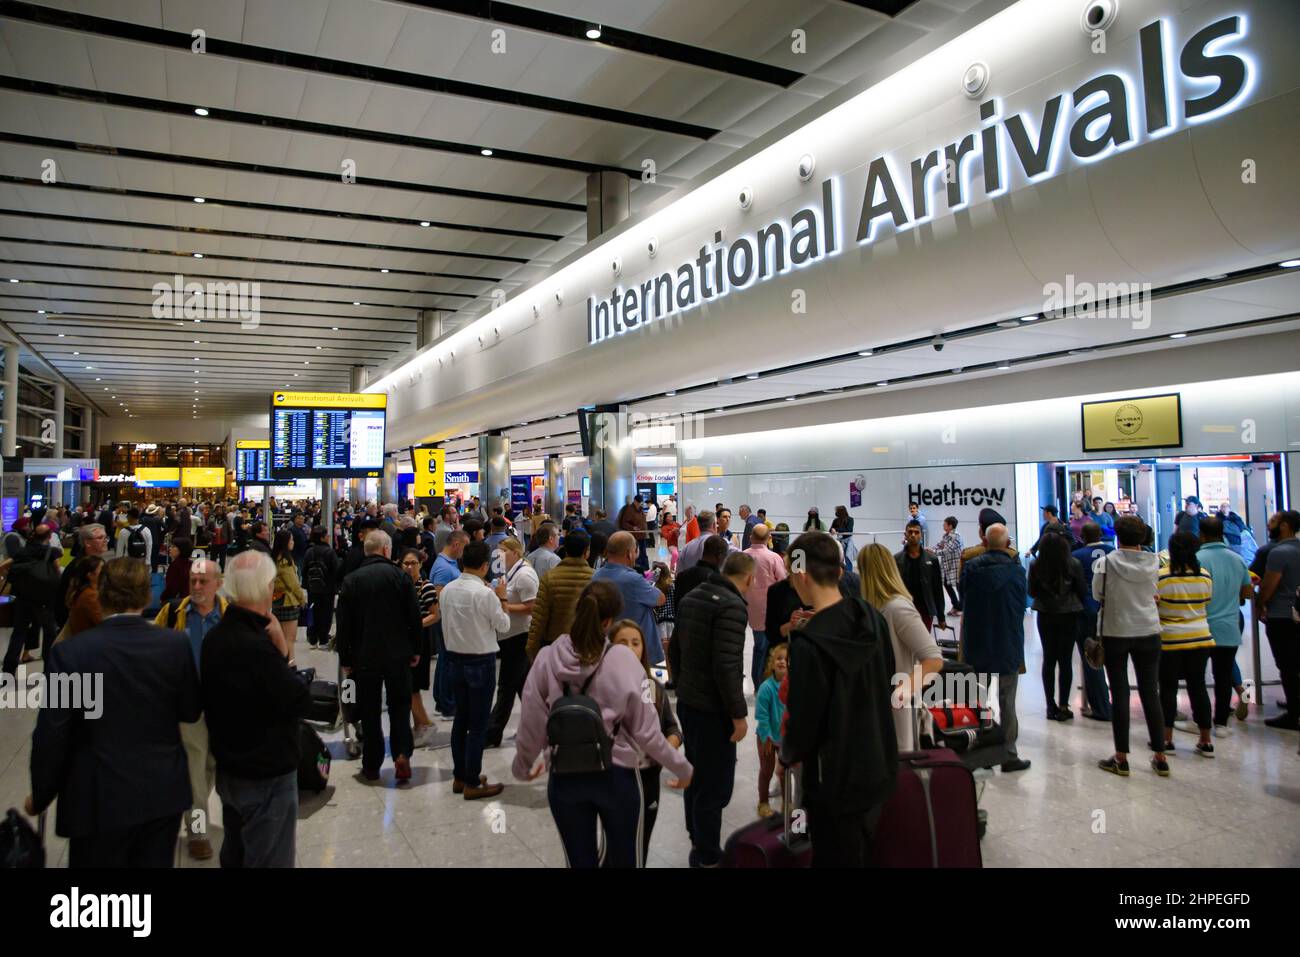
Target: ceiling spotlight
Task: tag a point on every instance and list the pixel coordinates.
(90, 367)
(200, 111)
(752, 375)
(1004, 364)
(717, 410)
(355, 303)
(425, 223)
(306, 362)
(320, 347)
(295, 375)
(40, 312)
(674, 392)
(335, 328)
(383, 270)
(1178, 335)
(98, 379)
(76, 353)
(196, 358)
(197, 343)
(883, 384)
(1217, 277)
(198, 255)
(593, 31)
(789, 398)
(61, 335)
(485, 152)
(199, 199)
(865, 353)
(1033, 318)
(13, 280)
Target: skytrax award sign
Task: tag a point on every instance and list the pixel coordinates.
(1208, 76)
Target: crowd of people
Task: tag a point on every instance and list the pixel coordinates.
(193, 619)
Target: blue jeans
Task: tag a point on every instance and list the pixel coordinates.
(444, 700)
(759, 664)
(473, 681)
(613, 797)
(260, 817)
(1094, 679)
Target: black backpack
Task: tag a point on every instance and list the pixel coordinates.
(314, 578)
(135, 543)
(576, 733)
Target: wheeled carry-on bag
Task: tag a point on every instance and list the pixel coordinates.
(931, 819)
(779, 841)
(313, 760)
(324, 700)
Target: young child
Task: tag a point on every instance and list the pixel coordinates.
(769, 713)
(627, 632)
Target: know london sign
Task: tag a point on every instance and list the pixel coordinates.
(1100, 118)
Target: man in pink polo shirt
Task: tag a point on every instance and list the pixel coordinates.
(768, 569)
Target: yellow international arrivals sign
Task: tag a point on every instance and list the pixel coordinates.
(203, 477)
(330, 400)
(252, 443)
(1144, 422)
(429, 466)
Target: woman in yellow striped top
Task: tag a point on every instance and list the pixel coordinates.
(1183, 592)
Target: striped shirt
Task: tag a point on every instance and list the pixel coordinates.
(1182, 605)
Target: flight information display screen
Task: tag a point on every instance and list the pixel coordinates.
(252, 462)
(327, 434)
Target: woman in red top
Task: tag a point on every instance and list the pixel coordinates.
(177, 583)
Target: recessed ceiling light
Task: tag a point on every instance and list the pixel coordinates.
(1033, 318)
(1286, 264)
(320, 347)
(335, 328)
(717, 410)
(40, 312)
(90, 367)
(61, 335)
(306, 363)
(76, 353)
(199, 199)
(1216, 278)
(425, 223)
(865, 353)
(671, 393)
(355, 303)
(196, 358)
(383, 270)
(1178, 335)
(198, 255)
(200, 111)
(789, 398)
(885, 383)
(196, 391)
(593, 31)
(13, 280)
(1004, 364)
(295, 375)
(752, 375)
(485, 151)
(197, 343)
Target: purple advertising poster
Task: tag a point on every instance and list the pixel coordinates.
(855, 493)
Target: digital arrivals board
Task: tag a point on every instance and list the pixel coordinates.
(253, 462)
(327, 434)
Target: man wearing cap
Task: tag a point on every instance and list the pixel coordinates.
(1189, 519)
(988, 516)
(152, 519)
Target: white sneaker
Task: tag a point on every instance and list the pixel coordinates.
(1222, 731)
(1188, 726)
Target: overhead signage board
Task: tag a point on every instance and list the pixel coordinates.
(157, 478)
(429, 466)
(252, 461)
(327, 434)
(1162, 83)
(203, 477)
(1142, 422)
(458, 479)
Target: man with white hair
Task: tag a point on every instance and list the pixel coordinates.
(94, 541)
(195, 615)
(993, 595)
(253, 702)
(378, 630)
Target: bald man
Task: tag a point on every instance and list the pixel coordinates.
(993, 593)
(640, 598)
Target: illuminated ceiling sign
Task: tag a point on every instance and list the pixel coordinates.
(1108, 113)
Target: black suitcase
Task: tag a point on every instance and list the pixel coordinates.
(324, 700)
(21, 846)
(313, 760)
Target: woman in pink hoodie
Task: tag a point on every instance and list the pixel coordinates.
(585, 662)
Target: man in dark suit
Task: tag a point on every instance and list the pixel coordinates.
(110, 748)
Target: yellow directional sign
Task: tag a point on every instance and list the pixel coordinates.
(429, 466)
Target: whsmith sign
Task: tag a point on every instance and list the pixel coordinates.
(1105, 114)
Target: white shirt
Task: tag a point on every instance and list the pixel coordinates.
(521, 586)
(471, 616)
(124, 536)
(651, 513)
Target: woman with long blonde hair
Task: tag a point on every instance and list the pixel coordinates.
(914, 646)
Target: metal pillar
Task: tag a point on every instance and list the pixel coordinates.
(493, 471)
(60, 419)
(613, 461)
(357, 378)
(388, 484)
(607, 201)
(10, 438)
(429, 327)
(328, 499)
(555, 500)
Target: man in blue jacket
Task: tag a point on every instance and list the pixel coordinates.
(993, 593)
(1094, 679)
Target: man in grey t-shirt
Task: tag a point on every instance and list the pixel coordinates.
(1277, 597)
(543, 558)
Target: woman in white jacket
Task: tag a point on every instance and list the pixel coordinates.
(1126, 583)
(584, 663)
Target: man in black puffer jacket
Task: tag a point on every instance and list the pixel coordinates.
(839, 720)
(707, 660)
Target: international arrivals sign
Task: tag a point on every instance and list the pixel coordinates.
(1173, 87)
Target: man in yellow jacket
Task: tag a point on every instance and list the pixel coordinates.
(194, 616)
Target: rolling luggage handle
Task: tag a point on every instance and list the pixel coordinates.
(790, 787)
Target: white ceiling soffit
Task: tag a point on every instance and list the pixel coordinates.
(107, 92)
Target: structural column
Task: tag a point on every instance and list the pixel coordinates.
(494, 471)
(554, 468)
(10, 439)
(613, 460)
(60, 419)
(607, 201)
(388, 484)
(428, 327)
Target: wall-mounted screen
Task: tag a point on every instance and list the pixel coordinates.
(252, 461)
(327, 434)
(1142, 422)
(157, 478)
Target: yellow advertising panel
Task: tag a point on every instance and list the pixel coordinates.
(330, 400)
(1144, 422)
(203, 477)
(148, 477)
(252, 443)
(429, 466)
(694, 473)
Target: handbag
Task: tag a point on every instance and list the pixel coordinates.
(1094, 652)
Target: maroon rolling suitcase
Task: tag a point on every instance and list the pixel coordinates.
(778, 841)
(931, 819)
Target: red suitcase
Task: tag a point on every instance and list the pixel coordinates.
(779, 841)
(931, 819)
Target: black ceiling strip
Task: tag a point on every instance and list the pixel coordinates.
(149, 289)
(46, 142)
(541, 21)
(242, 259)
(169, 347)
(264, 121)
(90, 318)
(210, 201)
(204, 275)
(263, 237)
(888, 8)
(365, 72)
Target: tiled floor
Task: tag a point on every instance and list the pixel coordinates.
(1240, 809)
